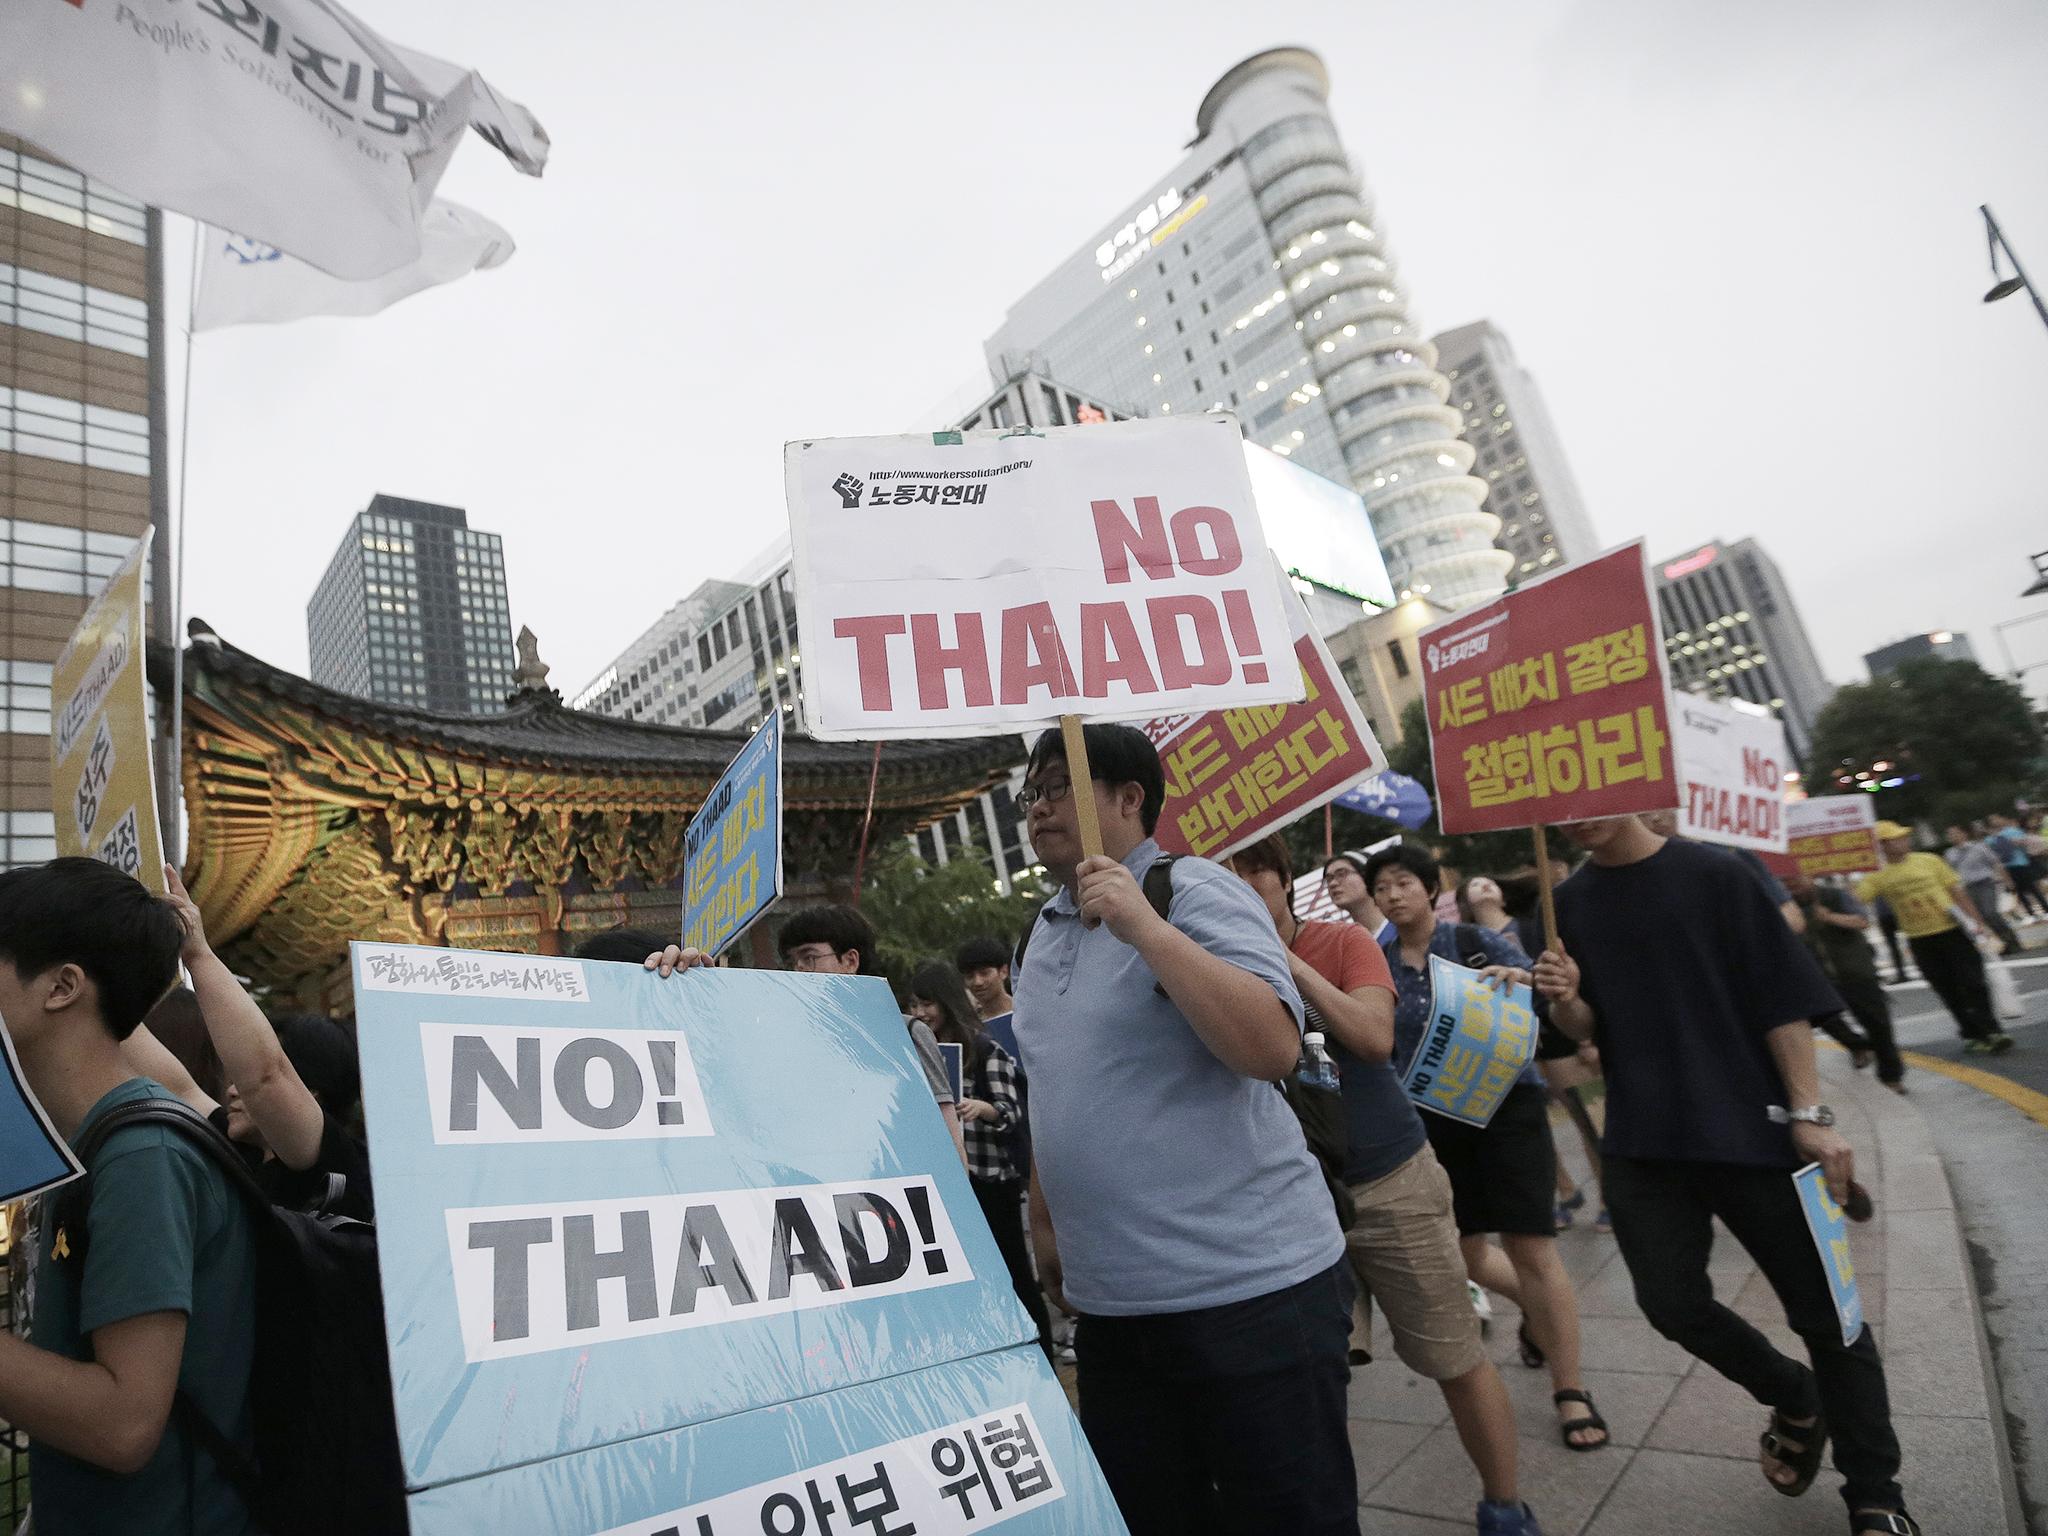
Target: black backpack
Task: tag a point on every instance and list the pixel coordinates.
(1320, 1111)
(326, 1458)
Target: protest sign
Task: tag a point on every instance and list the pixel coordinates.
(1234, 775)
(964, 584)
(1551, 704)
(617, 1210)
(733, 849)
(1830, 1228)
(955, 1057)
(1478, 1040)
(101, 782)
(1731, 760)
(33, 1157)
(1830, 835)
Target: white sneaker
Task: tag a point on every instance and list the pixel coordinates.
(1480, 1304)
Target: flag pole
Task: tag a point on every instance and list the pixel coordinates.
(860, 862)
(177, 744)
(1329, 831)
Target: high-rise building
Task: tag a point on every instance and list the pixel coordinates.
(81, 445)
(1380, 660)
(1252, 278)
(1946, 644)
(412, 611)
(1732, 630)
(1517, 452)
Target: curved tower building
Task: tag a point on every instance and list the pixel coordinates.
(1254, 279)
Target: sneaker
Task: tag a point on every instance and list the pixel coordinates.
(2000, 1043)
(1567, 1209)
(1605, 1223)
(1480, 1304)
(1500, 1519)
(1066, 1354)
(1978, 1047)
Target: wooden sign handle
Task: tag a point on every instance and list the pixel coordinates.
(1543, 887)
(1083, 783)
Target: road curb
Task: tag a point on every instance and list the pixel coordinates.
(1906, 1153)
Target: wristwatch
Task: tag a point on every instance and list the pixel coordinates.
(1813, 1114)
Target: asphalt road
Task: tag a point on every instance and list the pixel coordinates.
(1996, 1153)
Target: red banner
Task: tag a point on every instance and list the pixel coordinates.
(1828, 835)
(1234, 775)
(1551, 704)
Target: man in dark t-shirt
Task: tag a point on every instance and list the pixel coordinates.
(1698, 994)
(1838, 933)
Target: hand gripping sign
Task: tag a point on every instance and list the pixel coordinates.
(689, 1254)
(972, 584)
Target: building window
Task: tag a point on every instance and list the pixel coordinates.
(1397, 656)
(72, 432)
(54, 192)
(36, 301)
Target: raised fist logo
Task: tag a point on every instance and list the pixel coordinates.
(1434, 656)
(849, 488)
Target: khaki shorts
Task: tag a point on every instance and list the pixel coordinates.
(1404, 1250)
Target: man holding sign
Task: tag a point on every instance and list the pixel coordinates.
(1195, 1236)
(1672, 956)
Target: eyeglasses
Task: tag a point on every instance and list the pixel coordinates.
(1051, 794)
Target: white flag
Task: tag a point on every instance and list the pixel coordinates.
(288, 120)
(243, 282)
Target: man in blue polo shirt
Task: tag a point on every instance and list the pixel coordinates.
(1195, 1236)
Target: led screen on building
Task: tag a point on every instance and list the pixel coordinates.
(1318, 528)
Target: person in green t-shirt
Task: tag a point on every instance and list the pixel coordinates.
(156, 1294)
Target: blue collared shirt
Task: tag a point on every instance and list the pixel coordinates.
(1174, 1182)
(1411, 986)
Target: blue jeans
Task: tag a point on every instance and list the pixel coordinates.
(1226, 1421)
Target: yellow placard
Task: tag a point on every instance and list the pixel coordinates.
(102, 781)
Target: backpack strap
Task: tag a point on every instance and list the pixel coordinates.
(1471, 948)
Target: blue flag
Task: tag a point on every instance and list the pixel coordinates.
(1392, 795)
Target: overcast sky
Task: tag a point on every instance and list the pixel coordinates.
(1736, 242)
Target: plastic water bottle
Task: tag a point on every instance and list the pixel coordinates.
(1317, 1070)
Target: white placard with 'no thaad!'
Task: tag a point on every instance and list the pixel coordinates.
(1731, 759)
(962, 584)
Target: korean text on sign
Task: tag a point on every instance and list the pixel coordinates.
(1234, 775)
(961, 1478)
(733, 865)
(1828, 835)
(1479, 1039)
(1830, 1228)
(1550, 704)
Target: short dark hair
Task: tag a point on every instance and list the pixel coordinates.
(321, 1052)
(1117, 754)
(840, 926)
(81, 912)
(1269, 852)
(628, 945)
(1413, 857)
(976, 953)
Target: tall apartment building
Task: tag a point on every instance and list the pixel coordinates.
(1942, 643)
(1732, 630)
(1253, 278)
(82, 444)
(1517, 452)
(412, 611)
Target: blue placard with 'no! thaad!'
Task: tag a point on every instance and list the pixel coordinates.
(733, 869)
(1830, 1229)
(1478, 1039)
(692, 1254)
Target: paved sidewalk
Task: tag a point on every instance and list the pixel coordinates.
(1683, 1457)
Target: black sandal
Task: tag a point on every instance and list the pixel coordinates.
(1887, 1522)
(1803, 1463)
(1569, 1427)
(1532, 1353)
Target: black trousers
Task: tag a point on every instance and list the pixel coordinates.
(1888, 925)
(1663, 1221)
(2026, 887)
(1954, 969)
(1861, 990)
(1003, 1206)
(1226, 1421)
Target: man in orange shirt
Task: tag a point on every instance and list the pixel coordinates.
(1403, 1244)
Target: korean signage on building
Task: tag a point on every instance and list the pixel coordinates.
(1551, 704)
(632, 1285)
(100, 775)
(972, 584)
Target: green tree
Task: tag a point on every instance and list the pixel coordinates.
(925, 912)
(1963, 741)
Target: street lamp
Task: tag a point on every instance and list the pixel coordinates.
(2003, 287)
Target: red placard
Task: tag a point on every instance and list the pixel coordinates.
(1551, 704)
(1234, 775)
(1829, 835)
